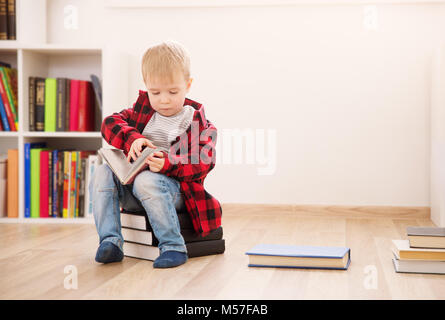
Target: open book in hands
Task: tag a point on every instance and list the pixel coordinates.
(125, 171)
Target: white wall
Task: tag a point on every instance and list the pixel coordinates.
(350, 106)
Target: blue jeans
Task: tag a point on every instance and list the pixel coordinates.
(157, 194)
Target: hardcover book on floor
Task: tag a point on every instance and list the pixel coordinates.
(306, 257)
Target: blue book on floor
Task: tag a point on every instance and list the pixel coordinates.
(28, 147)
(305, 257)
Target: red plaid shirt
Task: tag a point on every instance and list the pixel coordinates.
(189, 168)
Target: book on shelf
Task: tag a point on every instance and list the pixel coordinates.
(62, 104)
(426, 237)
(4, 117)
(8, 99)
(125, 171)
(72, 185)
(55, 185)
(39, 104)
(7, 20)
(305, 257)
(50, 104)
(27, 150)
(3, 185)
(141, 242)
(74, 105)
(97, 89)
(90, 167)
(98, 94)
(86, 107)
(44, 183)
(11, 20)
(35, 181)
(31, 102)
(13, 183)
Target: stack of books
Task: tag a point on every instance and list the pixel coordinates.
(140, 241)
(423, 252)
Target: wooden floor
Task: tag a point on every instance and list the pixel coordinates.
(33, 258)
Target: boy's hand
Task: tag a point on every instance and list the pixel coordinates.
(136, 147)
(155, 161)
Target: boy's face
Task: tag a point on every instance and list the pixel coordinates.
(167, 98)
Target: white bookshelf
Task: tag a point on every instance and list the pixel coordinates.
(32, 56)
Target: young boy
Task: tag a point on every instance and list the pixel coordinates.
(161, 117)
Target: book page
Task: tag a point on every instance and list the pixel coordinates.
(123, 169)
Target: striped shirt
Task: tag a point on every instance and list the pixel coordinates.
(162, 130)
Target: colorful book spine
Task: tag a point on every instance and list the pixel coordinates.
(35, 182)
(7, 106)
(12, 80)
(39, 111)
(67, 104)
(13, 183)
(74, 105)
(50, 104)
(66, 183)
(73, 184)
(4, 117)
(44, 184)
(76, 191)
(60, 178)
(55, 179)
(61, 91)
(50, 182)
(9, 94)
(86, 107)
(31, 102)
(82, 188)
(27, 183)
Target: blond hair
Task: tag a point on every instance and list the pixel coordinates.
(164, 60)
